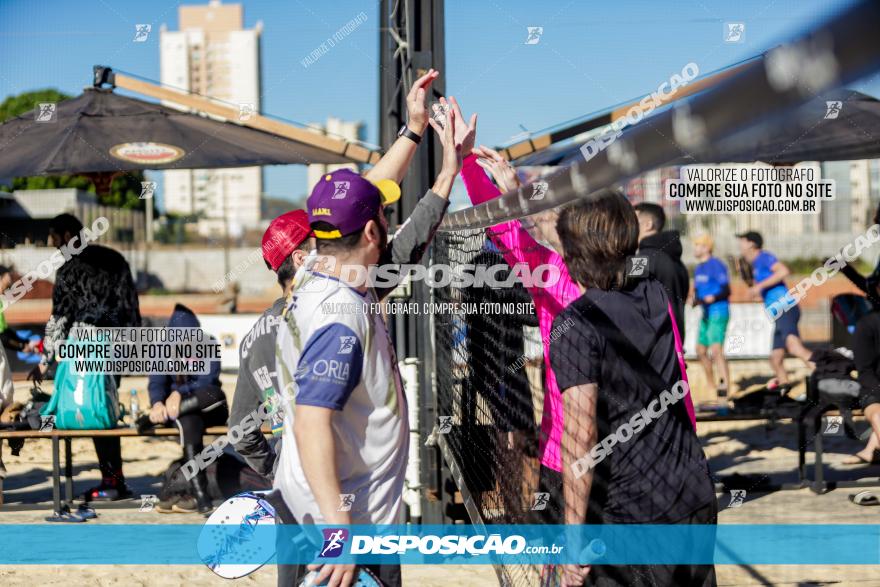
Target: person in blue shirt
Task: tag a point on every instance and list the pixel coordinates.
(712, 291)
(769, 282)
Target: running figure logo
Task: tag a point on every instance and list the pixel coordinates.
(245, 111)
(638, 266)
(148, 502)
(737, 497)
(46, 112)
(535, 33)
(445, 424)
(341, 189)
(142, 32)
(439, 112)
(832, 425)
(346, 500)
(334, 541)
(539, 190)
(734, 32)
(735, 343)
(346, 345)
(832, 109)
(148, 188)
(47, 423)
(540, 501)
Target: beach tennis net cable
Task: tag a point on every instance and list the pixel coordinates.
(489, 362)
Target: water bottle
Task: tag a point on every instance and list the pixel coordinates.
(134, 408)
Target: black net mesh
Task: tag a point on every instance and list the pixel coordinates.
(490, 388)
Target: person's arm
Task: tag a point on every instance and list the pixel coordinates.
(866, 351)
(11, 340)
(395, 162)
(413, 237)
(411, 240)
(317, 398)
(316, 401)
(316, 443)
(252, 445)
(579, 437)
(60, 321)
(780, 272)
(511, 238)
(201, 380)
(854, 276)
(158, 388)
(575, 357)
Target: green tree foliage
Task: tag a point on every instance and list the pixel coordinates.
(125, 189)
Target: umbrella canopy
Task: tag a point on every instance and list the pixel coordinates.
(103, 132)
(817, 131)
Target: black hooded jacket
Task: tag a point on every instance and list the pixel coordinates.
(664, 264)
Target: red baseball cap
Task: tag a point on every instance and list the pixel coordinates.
(284, 235)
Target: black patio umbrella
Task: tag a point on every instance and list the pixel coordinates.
(836, 126)
(101, 132)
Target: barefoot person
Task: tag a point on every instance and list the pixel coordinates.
(616, 363)
(866, 348)
(769, 275)
(711, 292)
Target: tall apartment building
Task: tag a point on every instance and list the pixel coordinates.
(213, 55)
(858, 192)
(336, 127)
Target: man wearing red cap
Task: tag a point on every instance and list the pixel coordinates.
(286, 244)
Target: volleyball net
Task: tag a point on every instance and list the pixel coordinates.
(490, 374)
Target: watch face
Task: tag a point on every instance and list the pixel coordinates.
(402, 130)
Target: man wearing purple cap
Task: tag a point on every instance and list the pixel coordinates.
(286, 244)
(346, 433)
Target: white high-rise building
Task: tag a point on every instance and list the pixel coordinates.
(213, 55)
(340, 129)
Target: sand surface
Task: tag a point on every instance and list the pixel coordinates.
(745, 447)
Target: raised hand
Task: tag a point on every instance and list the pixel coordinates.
(451, 154)
(465, 133)
(499, 167)
(416, 108)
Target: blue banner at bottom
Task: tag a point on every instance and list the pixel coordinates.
(246, 544)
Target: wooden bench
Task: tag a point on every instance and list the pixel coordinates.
(56, 436)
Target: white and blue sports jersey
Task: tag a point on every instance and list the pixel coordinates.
(333, 351)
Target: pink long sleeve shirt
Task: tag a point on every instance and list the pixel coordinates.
(518, 246)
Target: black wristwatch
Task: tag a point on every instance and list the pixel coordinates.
(406, 132)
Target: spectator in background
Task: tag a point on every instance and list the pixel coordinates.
(866, 348)
(9, 337)
(712, 291)
(862, 282)
(92, 288)
(12, 341)
(663, 250)
(769, 283)
(193, 403)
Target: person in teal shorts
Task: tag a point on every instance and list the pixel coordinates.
(712, 291)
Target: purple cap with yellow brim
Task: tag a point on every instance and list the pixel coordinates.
(347, 201)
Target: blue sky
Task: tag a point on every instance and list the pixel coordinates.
(592, 54)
